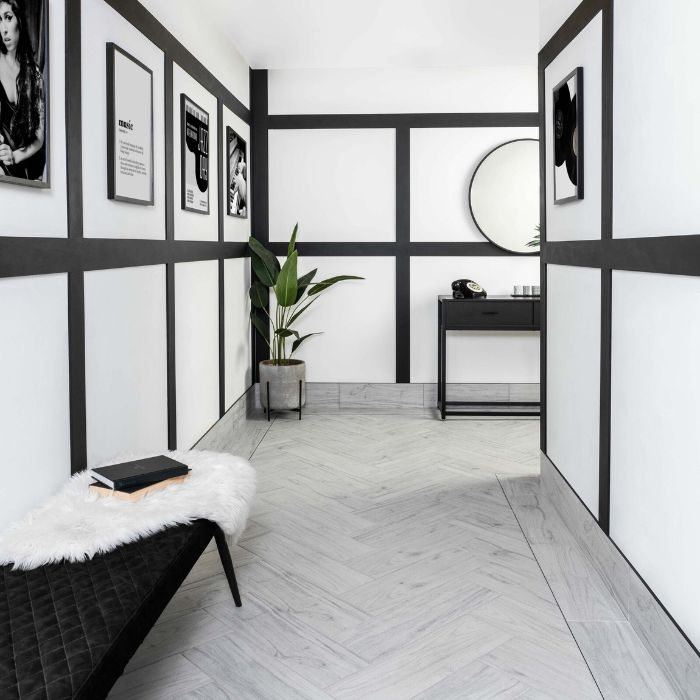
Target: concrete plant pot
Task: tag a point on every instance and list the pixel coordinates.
(284, 384)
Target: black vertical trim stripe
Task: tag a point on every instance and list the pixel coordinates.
(76, 283)
(543, 258)
(222, 213)
(260, 214)
(403, 259)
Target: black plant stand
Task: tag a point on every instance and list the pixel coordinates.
(268, 410)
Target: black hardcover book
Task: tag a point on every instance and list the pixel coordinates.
(139, 472)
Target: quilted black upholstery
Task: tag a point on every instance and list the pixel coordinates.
(68, 630)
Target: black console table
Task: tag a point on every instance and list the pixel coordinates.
(490, 314)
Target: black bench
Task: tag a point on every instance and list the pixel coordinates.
(68, 630)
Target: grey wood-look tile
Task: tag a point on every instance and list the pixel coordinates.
(252, 529)
(297, 560)
(544, 668)
(524, 392)
(210, 691)
(619, 661)
(381, 395)
(469, 392)
(475, 681)
(237, 668)
(177, 634)
(423, 662)
(209, 564)
(324, 395)
(667, 646)
(163, 679)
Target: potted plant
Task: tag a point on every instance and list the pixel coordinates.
(293, 296)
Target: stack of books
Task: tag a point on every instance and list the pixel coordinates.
(131, 481)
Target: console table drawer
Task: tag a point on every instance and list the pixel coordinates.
(489, 314)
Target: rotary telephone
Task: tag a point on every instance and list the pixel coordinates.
(467, 289)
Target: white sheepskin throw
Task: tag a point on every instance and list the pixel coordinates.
(76, 524)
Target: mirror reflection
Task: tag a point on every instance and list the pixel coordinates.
(504, 196)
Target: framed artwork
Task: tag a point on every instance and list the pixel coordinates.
(24, 113)
(567, 108)
(237, 174)
(194, 174)
(129, 128)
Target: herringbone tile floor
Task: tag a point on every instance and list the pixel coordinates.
(382, 560)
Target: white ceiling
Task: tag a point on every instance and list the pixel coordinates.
(379, 33)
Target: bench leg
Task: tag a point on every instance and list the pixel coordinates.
(225, 555)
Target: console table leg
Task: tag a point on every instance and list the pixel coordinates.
(225, 555)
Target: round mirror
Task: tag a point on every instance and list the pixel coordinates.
(504, 196)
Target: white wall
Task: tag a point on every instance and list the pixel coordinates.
(654, 476)
(580, 219)
(237, 328)
(553, 14)
(656, 116)
(34, 412)
(573, 377)
(125, 362)
(340, 185)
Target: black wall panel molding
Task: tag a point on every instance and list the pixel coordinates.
(137, 15)
(402, 121)
(403, 255)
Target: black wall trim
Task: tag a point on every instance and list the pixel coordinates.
(392, 248)
(135, 13)
(171, 369)
(403, 256)
(21, 256)
(76, 371)
(401, 121)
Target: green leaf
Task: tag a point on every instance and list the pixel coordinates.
(299, 312)
(299, 341)
(265, 264)
(320, 286)
(293, 240)
(262, 325)
(259, 295)
(286, 285)
(303, 282)
(286, 333)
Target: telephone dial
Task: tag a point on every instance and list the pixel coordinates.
(467, 289)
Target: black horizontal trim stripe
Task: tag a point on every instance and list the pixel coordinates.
(391, 248)
(468, 248)
(340, 249)
(672, 255)
(394, 121)
(135, 13)
(20, 256)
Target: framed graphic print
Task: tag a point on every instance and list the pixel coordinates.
(567, 108)
(24, 90)
(237, 174)
(194, 174)
(129, 128)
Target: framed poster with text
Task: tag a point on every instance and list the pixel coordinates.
(237, 174)
(129, 128)
(194, 146)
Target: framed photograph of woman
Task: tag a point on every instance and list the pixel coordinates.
(24, 89)
(237, 159)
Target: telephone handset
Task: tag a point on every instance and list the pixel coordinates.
(467, 289)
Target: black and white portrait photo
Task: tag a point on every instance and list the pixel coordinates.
(24, 46)
(195, 156)
(568, 138)
(237, 174)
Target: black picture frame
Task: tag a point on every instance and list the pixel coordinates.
(240, 151)
(567, 137)
(36, 24)
(192, 115)
(112, 160)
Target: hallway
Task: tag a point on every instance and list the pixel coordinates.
(386, 557)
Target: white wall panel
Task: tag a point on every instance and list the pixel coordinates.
(392, 90)
(580, 219)
(125, 361)
(473, 357)
(339, 184)
(34, 403)
(357, 319)
(655, 120)
(553, 13)
(442, 165)
(27, 211)
(235, 228)
(237, 328)
(189, 225)
(654, 476)
(573, 377)
(102, 217)
(196, 349)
